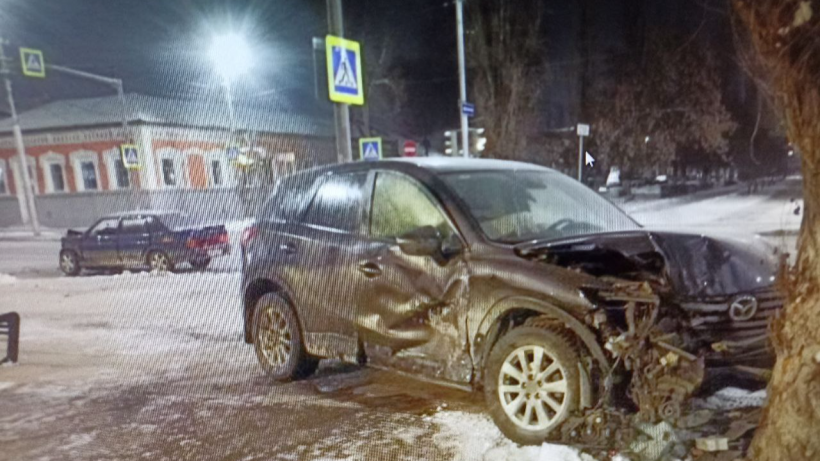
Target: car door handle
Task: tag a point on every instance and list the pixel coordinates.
(287, 248)
(370, 269)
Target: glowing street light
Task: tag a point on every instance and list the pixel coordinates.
(230, 55)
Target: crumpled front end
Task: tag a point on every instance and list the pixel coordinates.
(719, 294)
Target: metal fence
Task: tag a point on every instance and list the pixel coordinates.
(81, 209)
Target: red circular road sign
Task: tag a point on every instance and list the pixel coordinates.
(409, 148)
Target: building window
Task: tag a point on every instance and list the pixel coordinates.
(89, 175)
(57, 177)
(4, 189)
(216, 172)
(86, 170)
(32, 175)
(169, 172)
(53, 166)
(123, 178)
(119, 177)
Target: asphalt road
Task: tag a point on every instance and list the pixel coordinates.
(29, 258)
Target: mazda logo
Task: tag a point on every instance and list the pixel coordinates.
(743, 308)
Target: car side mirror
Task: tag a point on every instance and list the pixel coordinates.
(422, 241)
(451, 246)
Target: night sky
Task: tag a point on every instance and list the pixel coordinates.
(159, 47)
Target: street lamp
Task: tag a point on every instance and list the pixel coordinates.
(230, 55)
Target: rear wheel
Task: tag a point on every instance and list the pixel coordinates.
(69, 263)
(159, 262)
(277, 340)
(531, 383)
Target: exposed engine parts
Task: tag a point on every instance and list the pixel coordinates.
(654, 369)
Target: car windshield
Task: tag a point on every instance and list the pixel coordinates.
(515, 206)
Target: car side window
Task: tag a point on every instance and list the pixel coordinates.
(401, 205)
(105, 227)
(338, 203)
(154, 225)
(134, 225)
(289, 199)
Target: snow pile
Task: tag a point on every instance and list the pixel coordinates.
(474, 437)
(6, 279)
(731, 398)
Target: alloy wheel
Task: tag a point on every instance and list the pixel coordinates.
(532, 388)
(274, 337)
(158, 262)
(67, 263)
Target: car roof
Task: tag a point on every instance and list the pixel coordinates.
(433, 164)
(122, 214)
(448, 164)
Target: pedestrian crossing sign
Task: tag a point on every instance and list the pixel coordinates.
(130, 156)
(370, 149)
(344, 70)
(32, 63)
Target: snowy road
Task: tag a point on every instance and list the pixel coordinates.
(142, 366)
(119, 367)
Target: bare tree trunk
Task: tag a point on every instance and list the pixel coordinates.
(783, 34)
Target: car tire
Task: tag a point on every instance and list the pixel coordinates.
(200, 264)
(159, 261)
(529, 407)
(277, 340)
(70, 263)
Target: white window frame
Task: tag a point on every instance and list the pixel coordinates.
(53, 158)
(18, 179)
(4, 177)
(228, 176)
(77, 158)
(180, 161)
(110, 158)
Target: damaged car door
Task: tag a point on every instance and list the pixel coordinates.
(413, 285)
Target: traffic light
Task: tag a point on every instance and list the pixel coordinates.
(476, 139)
(451, 142)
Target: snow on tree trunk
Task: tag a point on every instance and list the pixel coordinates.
(784, 35)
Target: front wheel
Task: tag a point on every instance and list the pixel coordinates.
(69, 263)
(277, 340)
(531, 383)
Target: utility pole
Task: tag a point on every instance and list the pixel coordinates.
(28, 209)
(341, 111)
(462, 78)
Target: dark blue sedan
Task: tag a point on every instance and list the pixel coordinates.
(157, 240)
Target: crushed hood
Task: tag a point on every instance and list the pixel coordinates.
(694, 265)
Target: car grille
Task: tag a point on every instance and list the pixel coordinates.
(712, 323)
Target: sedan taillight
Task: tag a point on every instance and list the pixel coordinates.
(248, 234)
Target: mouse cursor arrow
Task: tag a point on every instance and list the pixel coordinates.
(589, 160)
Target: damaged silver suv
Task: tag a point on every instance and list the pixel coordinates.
(501, 277)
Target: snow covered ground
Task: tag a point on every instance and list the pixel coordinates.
(774, 213)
